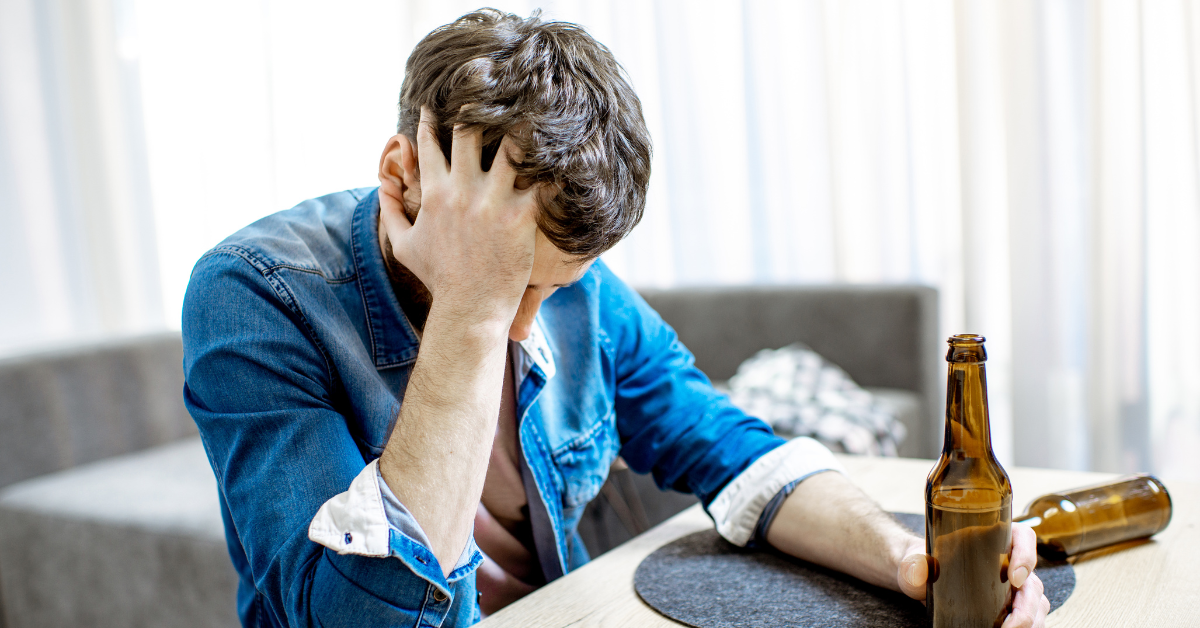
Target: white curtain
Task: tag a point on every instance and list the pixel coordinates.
(77, 243)
(1037, 161)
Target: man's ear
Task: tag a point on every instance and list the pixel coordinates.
(400, 176)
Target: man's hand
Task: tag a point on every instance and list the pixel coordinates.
(829, 521)
(1030, 605)
(472, 242)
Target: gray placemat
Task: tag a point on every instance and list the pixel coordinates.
(703, 580)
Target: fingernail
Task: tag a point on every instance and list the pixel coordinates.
(910, 574)
(1018, 577)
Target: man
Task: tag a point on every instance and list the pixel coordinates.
(409, 394)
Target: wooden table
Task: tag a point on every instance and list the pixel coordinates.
(1152, 584)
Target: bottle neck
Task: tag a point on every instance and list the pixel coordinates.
(968, 432)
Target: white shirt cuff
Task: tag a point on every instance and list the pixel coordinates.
(354, 522)
(360, 520)
(739, 505)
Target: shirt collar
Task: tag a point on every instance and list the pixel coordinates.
(393, 338)
(534, 351)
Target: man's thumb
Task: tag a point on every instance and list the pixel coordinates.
(914, 571)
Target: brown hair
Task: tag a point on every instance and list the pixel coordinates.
(561, 96)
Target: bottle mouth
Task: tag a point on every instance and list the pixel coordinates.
(966, 348)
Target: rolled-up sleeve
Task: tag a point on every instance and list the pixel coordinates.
(369, 520)
(675, 425)
(300, 500)
(741, 508)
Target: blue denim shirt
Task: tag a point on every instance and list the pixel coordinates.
(296, 358)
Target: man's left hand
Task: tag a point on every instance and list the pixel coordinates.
(1029, 607)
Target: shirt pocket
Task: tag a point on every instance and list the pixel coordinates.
(584, 461)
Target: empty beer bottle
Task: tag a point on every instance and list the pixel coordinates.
(968, 504)
(1085, 518)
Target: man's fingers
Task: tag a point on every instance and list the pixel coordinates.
(465, 150)
(1043, 611)
(395, 223)
(1030, 606)
(429, 152)
(502, 173)
(1023, 557)
(392, 215)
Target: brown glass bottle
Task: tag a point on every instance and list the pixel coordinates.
(968, 504)
(1085, 518)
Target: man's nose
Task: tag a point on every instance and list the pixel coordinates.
(522, 324)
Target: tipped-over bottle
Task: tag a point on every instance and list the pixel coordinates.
(1083, 519)
(968, 504)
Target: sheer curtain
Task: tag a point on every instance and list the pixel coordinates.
(1037, 161)
(77, 243)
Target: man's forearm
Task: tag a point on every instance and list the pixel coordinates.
(827, 520)
(436, 458)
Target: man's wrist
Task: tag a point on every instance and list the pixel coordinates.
(475, 317)
(471, 327)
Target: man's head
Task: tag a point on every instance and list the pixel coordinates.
(564, 99)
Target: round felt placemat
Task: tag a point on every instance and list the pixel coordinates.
(703, 580)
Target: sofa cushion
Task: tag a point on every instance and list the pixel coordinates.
(131, 541)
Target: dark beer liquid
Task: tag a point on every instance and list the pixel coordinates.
(968, 504)
(969, 583)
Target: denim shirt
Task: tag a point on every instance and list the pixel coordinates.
(296, 358)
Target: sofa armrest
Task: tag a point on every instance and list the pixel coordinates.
(66, 407)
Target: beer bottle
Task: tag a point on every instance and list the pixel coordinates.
(968, 504)
(1085, 518)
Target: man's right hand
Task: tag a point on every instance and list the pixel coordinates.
(472, 242)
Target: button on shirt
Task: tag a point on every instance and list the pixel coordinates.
(296, 358)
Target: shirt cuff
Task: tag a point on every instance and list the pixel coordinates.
(739, 507)
(759, 538)
(362, 519)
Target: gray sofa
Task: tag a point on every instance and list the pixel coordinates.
(93, 539)
(108, 509)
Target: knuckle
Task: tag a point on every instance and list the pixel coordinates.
(1021, 617)
(1038, 587)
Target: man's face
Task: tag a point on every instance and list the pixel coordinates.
(552, 269)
